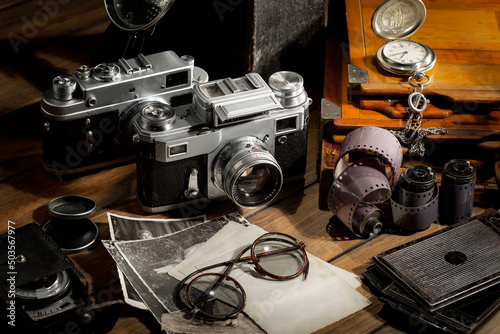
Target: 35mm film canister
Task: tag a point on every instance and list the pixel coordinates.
(414, 201)
(456, 197)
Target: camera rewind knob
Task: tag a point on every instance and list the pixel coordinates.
(63, 87)
(288, 88)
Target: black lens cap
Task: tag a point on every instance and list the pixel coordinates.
(70, 228)
(72, 235)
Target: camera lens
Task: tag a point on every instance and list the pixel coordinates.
(248, 173)
(253, 181)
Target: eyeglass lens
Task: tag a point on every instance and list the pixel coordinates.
(216, 295)
(288, 257)
(219, 296)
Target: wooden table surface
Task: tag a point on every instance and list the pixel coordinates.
(59, 45)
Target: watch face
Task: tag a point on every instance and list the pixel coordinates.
(403, 57)
(405, 52)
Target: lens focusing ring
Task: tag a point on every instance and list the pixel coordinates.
(237, 158)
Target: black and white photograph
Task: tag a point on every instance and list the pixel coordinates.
(151, 259)
(130, 228)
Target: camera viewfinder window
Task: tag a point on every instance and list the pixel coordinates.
(177, 79)
(177, 150)
(212, 90)
(286, 124)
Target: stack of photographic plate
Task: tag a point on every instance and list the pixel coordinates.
(448, 279)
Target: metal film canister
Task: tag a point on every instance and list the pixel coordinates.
(414, 201)
(456, 198)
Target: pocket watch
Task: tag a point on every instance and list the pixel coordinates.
(393, 21)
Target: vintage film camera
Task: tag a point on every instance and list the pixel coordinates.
(239, 138)
(83, 112)
(42, 289)
(195, 140)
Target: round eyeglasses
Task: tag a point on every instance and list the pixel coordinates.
(218, 296)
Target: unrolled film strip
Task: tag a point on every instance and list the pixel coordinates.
(414, 202)
(359, 184)
(372, 140)
(456, 198)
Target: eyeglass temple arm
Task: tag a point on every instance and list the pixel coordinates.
(239, 258)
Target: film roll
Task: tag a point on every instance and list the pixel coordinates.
(414, 201)
(456, 198)
(365, 173)
(374, 141)
(351, 197)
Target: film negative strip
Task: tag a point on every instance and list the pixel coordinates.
(414, 202)
(456, 198)
(371, 141)
(365, 173)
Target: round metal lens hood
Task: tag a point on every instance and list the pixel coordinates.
(72, 207)
(70, 228)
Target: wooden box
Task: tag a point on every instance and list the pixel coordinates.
(464, 93)
(465, 90)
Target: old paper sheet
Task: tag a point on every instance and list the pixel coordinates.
(326, 296)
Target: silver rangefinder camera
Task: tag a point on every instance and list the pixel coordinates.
(195, 140)
(238, 139)
(84, 112)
